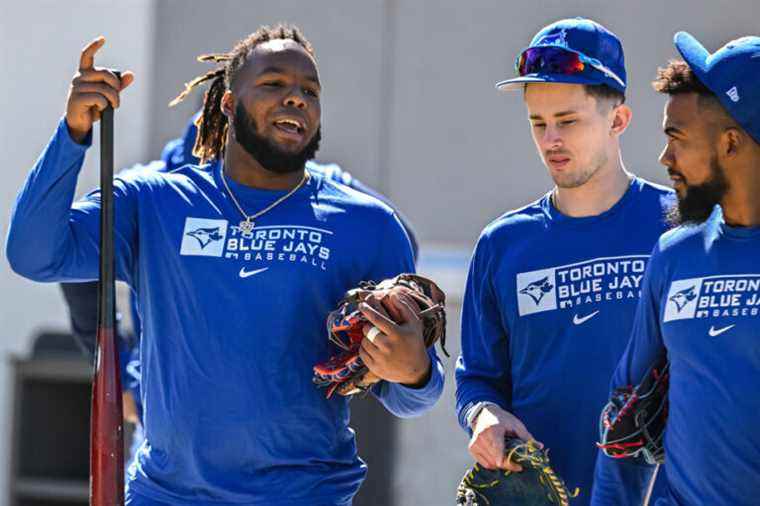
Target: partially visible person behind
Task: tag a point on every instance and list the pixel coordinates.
(553, 286)
(700, 302)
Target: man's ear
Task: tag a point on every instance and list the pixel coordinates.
(622, 115)
(228, 105)
(731, 142)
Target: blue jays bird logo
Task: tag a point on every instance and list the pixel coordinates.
(205, 236)
(537, 289)
(680, 299)
(554, 39)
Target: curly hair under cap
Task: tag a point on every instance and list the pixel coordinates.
(677, 77)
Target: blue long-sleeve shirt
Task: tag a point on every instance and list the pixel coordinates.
(81, 298)
(700, 304)
(232, 323)
(546, 296)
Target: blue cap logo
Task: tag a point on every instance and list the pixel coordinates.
(733, 94)
(554, 39)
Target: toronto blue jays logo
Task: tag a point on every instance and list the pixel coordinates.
(537, 289)
(680, 299)
(206, 236)
(555, 39)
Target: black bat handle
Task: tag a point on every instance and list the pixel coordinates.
(106, 294)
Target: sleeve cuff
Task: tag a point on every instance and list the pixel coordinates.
(64, 135)
(474, 410)
(465, 414)
(433, 385)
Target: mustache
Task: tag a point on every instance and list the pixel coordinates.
(675, 173)
(556, 152)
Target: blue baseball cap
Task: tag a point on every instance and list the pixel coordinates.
(598, 49)
(732, 73)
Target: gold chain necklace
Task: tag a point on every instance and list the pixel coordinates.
(246, 225)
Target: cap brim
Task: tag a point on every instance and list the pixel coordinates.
(519, 82)
(694, 54)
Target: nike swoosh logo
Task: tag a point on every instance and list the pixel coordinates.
(756, 55)
(586, 318)
(246, 274)
(716, 332)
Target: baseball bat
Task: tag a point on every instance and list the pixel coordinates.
(106, 424)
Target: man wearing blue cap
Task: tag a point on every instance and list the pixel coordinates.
(700, 300)
(553, 286)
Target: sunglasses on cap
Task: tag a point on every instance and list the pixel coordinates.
(556, 60)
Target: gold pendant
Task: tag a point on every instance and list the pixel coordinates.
(246, 226)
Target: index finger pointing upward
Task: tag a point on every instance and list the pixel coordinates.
(87, 59)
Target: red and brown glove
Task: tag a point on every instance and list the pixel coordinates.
(345, 372)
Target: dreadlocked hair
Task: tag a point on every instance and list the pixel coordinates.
(212, 123)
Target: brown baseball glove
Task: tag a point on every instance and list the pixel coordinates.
(345, 372)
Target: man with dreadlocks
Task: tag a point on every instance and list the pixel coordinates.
(235, 267)
(82, 298)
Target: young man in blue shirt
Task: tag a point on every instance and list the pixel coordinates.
(552, 283)
(235, 267)
(700, 302)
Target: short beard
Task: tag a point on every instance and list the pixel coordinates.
(699, 201)
(582, 177)
(270, 156)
